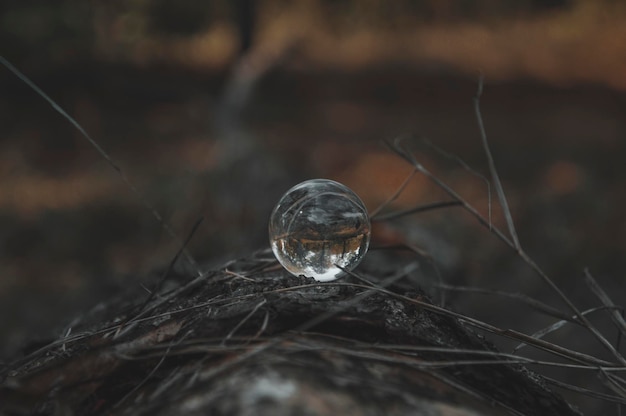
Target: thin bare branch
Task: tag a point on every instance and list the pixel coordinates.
(395, 195)
(492, 167)
(616, 384)
(590, 393)
(405, 154)
(557, 325)
(170, 267)
(244, 320)
(421, 208)
(469, 169)
(614, 310)
(533, 303)
(399, 149)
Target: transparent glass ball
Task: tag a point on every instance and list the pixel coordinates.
(317, 228)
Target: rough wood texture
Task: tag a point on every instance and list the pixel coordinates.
(249, 339)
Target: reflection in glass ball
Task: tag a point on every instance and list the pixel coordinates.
(319, 227)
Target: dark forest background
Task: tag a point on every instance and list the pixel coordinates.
(214, 108)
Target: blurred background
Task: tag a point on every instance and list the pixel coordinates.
(214, 108)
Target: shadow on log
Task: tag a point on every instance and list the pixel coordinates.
(249, 339)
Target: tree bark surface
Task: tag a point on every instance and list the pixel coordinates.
(250, 339)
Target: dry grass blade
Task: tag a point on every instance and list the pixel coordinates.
(243, 321)
(615, 383)
(395, 195)
(162, 359)
(472, 392)
(468, 168)
(400, 351)
(151, 208)
(441, 294)
(533, 303)
(586, 323)
(170, 267)
(421, 363)
(400, 150)
(587, 392)
(492, 168)
(415, 210)
(556, 326)
(397, 353)
(616, 312)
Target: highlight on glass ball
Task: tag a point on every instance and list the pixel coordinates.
(318, 228)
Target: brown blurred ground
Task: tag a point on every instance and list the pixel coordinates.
(148, 85)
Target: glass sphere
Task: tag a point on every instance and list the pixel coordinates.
(317, 228)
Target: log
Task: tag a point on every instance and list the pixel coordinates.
(250, 339)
